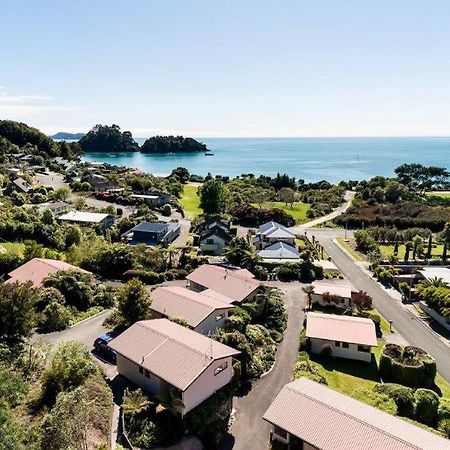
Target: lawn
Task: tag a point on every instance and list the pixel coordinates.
(190, 201)
(387, 250)
(298, 211)
(15, 248)
(345, 245)
(443, 194)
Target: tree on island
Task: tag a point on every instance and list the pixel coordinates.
(104, 138)
(172, 144)
(214, 197)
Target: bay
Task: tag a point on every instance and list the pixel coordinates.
(311, 159)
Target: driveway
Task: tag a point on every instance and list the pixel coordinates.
(407, 324)
(249, 430)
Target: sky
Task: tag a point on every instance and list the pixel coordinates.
(229, 67)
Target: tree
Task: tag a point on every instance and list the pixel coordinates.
(214, 197)
(17, 317)
(135, 402)
(32, 250)
(417, 246)
(309, 290)
(61, 193)
(104, 138)
(55, 317)
(172, 144)
(362, 300)
(286, 195)
(446, 238)
(133, 302)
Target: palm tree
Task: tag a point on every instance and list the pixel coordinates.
(170, 400)
(431, 282)
(135, 402)
(309, 290)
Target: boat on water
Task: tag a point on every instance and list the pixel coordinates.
(209, 154)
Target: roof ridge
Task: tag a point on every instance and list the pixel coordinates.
(353, 417)
(197, 297)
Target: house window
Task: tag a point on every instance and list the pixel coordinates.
(210, 241)
(363, 348)
(345, 345)
(147, 373)
(342, 300)
(280, 432)
(141, 369)
(221, 368)
(337, 344)
(220, 317)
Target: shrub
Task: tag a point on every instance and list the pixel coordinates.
(305, 343)
(304, 367)
(327, 352)
(444, 416)
(426, 406)
(402, 396)
(287, 272)
(166, 210)
(55, 317)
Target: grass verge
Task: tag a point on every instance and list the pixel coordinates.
(190, 202)
(349, 249)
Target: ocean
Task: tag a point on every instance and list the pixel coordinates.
(311, 159)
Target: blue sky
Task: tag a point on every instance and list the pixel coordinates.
(228, 68)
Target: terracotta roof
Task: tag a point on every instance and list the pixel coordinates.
(356, 330)
(342, 288)
(177, 301)
(37, 269)
(330, 420)
(217, 295)
(235, 284)
(170, 351)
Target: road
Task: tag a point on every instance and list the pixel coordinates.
(409, 326)
(249, 430)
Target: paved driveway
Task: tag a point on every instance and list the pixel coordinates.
(408, 325)
(250, 431)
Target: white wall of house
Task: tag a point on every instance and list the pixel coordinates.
(214, 245)
(318, 298)
(214, 321)
(278, 434)
(195, 286)
(208, 383)
(130, 370)
(340, 351)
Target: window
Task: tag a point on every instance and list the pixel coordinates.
(221, 368)
(210, 241)
(337, 344)
(141, 369)
(280, 432)
(363, 348)
(342, 300)
(345, 345)
(220, 317)
(147, 373)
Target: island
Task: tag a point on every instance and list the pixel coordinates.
(172, 144)
(64, 136)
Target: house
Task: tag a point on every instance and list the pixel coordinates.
(159, 355)
(37, 269)
(153, 233)
(19, 185)
(307, 415)
(238, 285)
(349, 337)
(100, 183)
(212, 241)
(272, 232)
(56, 208)
(332, 292)
(436, 272)
(154, 198)
(88, 218)
(202, 313)
(279, 252)
(211, 222)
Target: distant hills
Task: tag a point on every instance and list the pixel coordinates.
(68, 136)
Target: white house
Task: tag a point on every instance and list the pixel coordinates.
(202, 313)
(307, 415)
(212, 241)
(160, 355)
(88, 218)
(279, 252)
(349, 337)
(332, 292)
(272, 232)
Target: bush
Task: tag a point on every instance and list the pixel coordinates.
(304, 367)
(288, 272)
(426, 406)
(166, 210)
(402, 396)
(409, 366)
(305, 343)
(326, 352)
(55, 317)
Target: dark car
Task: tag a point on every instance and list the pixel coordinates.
(101, 347)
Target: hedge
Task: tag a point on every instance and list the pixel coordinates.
(409, 366)
(427, 405)
(402, 396)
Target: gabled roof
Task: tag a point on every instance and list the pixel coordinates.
(439, 272)
(82, 216)
(170, 351)
(151, 227)
(218, 231)
(355, 330)
(329, 420)
(235, 284)
(177, 301)
(341, 288)
(279, 250)
(37, 269)
(275, 230)
(22, 184)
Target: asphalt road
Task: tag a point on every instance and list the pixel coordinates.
(249, 430)
(404, 322)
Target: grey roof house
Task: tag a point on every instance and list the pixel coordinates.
(280, 252)
(19, 185)
(272, 232)
(153, 233)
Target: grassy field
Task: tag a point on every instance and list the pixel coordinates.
(13, 247)
(298, 211)
(349, 249)
(190, 202)
(387, 250)
(443, 194)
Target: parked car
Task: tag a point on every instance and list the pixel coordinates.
(101, 347)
